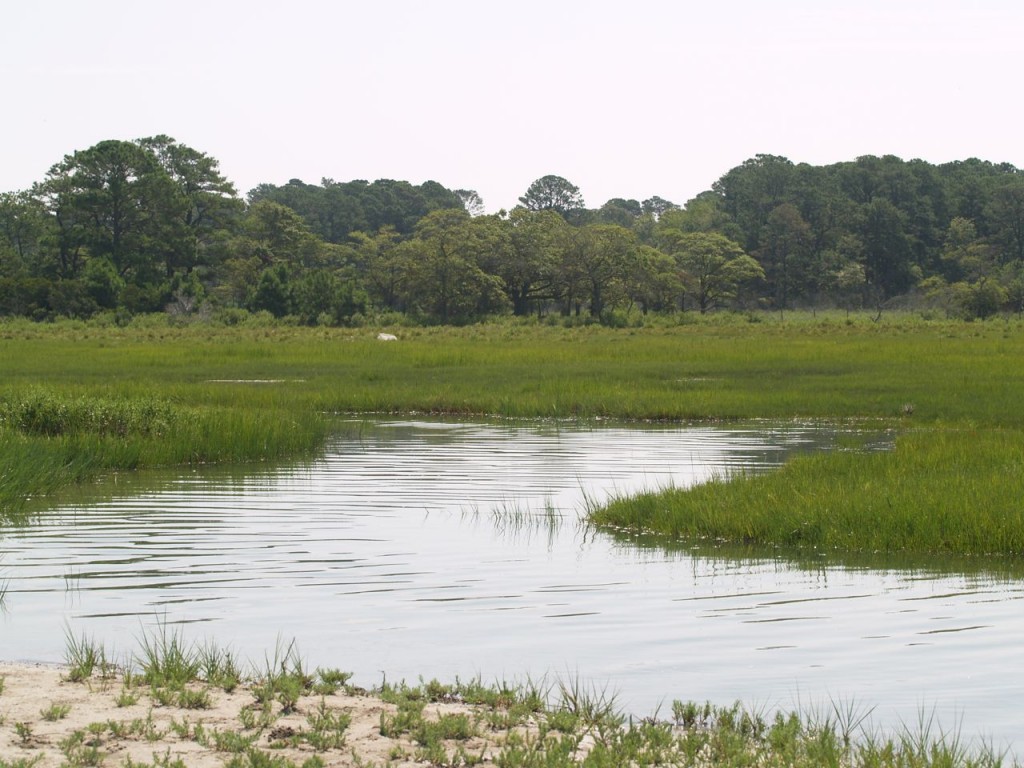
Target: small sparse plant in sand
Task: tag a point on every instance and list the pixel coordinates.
(284, 678)
(21, 762)
(189, 698)
(228, 741)
(55, 712)
(330, 680)
(118, 729)
(327, 728)
(164, 697)
(182, 729)
(259, 717)
(82, 750)
(146, 728)
(127, 697)
(159, 761)
(24, 732)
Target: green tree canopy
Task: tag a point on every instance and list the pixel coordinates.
(553, 193)
(713, 267)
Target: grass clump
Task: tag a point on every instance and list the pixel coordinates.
(327, 728)
(21, 762)
(55, 712)
(283, 678)
(83, 656)
(219, 667)
(82, 749)
(159, 761)
(166, 660)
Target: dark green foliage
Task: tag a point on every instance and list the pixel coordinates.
(42, 412)
(553, 193)
(152, 226)
(334, 210)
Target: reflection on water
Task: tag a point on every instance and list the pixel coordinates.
(444, 549)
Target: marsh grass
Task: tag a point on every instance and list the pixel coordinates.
(166, 659)
(941, 491)
(590, 705)
(219, 667)
(81, 400)
(83, 656)
(283, 677)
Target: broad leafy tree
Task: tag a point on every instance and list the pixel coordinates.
(620, 211)
(24, 229)
(444, 282)
(655, 206)
(528, 263)
(714, 268)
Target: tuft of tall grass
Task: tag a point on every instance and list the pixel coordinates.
(83, 656)
(166, 660)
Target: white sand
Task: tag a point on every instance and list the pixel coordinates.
(30, 690)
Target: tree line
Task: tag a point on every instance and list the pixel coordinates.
(152, 225)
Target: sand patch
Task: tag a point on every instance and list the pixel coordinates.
(102, 724)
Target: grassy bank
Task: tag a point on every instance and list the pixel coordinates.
(942, 491)
(156, 394)
(172, 704)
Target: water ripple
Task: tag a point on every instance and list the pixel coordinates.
(444, 549)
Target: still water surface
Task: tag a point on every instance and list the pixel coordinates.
(440, 549)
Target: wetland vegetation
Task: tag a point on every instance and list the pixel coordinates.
(79, 399)
(83, 399)
(150, 317)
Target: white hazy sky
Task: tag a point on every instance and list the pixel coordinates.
(624, 99)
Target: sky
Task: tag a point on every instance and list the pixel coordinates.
(623, 99)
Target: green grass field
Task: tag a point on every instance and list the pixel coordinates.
(78, 400)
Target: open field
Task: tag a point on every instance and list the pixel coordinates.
(78, 400)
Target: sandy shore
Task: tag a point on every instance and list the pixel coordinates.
(146, 732)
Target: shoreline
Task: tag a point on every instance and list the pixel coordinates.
(147, 731)
(291, 719)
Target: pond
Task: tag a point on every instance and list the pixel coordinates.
(441, 549)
